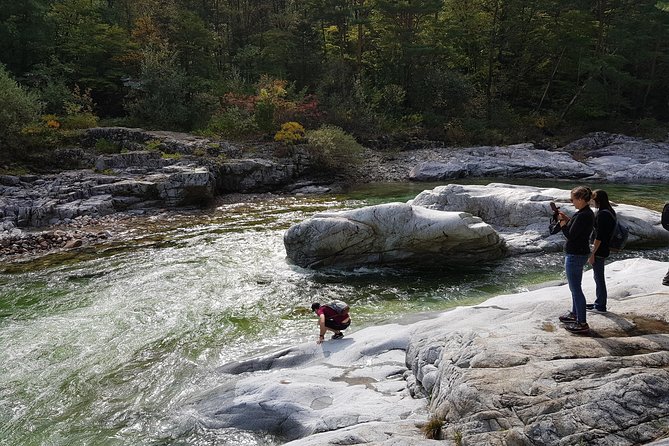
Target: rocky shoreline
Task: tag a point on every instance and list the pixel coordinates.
(46, 213)
(503, 372)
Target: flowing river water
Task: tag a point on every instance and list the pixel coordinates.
(107, 347)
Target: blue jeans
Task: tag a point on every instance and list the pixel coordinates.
(600, 283)
(573, 266)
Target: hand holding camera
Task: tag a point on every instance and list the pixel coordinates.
(558, 220)
(558, 215)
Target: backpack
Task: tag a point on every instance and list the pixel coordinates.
(665, 216)
(618, 236)
(339, 306)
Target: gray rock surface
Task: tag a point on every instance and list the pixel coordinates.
(56, 198)
(595, 157)
(508, 373)
(498, 373)
(354, 381)
(136, 140)
(391, 234)
(515, 161)
(521, 214)
(623, 159)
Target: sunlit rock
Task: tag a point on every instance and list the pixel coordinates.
(395, 234)
(508, 373)
(500, 372)
(521, 214)
(514, 161)
(623, 159)
(293, 393)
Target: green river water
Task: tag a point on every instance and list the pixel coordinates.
(108, 346)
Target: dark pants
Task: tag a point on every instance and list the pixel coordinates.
(574, 264)
(665, 281)
(600, 282)
(330, 323)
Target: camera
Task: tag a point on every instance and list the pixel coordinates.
(554, 225)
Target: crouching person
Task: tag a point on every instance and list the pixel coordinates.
(333, 317)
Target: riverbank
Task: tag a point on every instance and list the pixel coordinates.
(500, 372)
(45, 214)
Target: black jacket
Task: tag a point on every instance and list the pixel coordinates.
(578, 232)
(605, 223)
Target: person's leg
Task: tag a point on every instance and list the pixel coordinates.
(336, 327)
(568, 265)
(574, 269)
(665, 281)
(331, 325)
(600, 283)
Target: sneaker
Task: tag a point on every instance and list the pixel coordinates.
(338, 335)
(577, 327)
(568, 317)
(593, 309)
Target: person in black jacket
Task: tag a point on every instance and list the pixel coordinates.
(605, 223)
(577, 230)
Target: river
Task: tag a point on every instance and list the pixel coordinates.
(107, 347)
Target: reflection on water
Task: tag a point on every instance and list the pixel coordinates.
(105, 348)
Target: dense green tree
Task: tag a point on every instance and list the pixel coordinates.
(374, 64)
(19, 107)
(25, 34)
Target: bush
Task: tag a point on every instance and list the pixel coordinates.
(161, 96)
(19, 108)
(79, 121)
(290, 133)
(103, 145)
(332, 148)
(231, 122)
(432, 429)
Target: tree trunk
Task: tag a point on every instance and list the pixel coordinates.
(576, 95)
(653, 66)
(550, 81)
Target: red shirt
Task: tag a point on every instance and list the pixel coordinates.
(331, 314)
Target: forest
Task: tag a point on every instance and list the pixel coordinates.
(454, 71)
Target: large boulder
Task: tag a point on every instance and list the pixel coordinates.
(515, 161)
(505, 372)
(182, 185)
(623, 159)
(254, 175)
(521, 214)
(394, 234)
